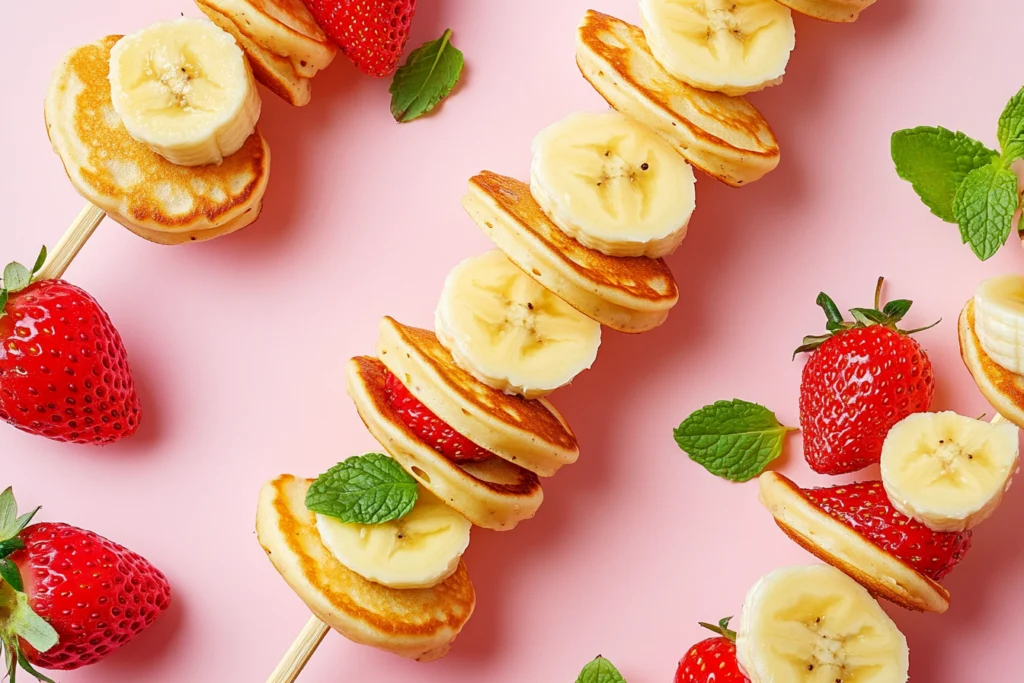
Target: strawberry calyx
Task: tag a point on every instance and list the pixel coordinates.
(721, 628)
(18, 621)
(17, 277)
(888, 316)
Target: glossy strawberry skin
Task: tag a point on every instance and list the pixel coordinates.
(63, 368)
(711, 661)
(866, 509)
(429, 427)
(97, 594)
(856, 386)
(372, 33)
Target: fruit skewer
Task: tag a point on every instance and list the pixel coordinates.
(60, 257)
(300, 652)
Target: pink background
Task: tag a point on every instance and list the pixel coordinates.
(238, 345)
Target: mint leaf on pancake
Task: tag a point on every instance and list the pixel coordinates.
(1011, 129)
(735, 440)
(369, 489)
(984, 208)
(427, 77)
(936, 161)
(600, 671)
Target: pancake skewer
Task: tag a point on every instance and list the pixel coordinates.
(300, 652)
(72, 242)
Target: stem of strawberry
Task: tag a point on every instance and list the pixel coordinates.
(878, 293)
(721, 629)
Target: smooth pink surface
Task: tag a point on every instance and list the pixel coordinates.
(238, 345)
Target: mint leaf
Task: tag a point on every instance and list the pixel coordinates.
(984, 208)
(427, 77)
(734, 439)
(600, 671)
(1011, 129)
(369, 489)
(16, 277)
(936, 161)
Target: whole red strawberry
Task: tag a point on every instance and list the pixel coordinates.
(372, 33)
(712, 660)
(68, 597)
(429, 426)
(865, 508)
(861, 379)
(63, 368)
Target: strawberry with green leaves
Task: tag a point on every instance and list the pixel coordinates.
(64, 371)
(68, 597)
(712, 660)
(862, 378)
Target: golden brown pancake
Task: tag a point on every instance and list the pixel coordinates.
(726, 137)
(494, 493)
(838, 11)
(629, 294)
(1002, 388)
(138, 188)
(529, 433)
(415, 623)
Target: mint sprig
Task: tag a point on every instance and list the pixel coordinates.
(600, 671)
(427, 77)
(735, 440)
(17, 277)
(368, 489)
(964, 182)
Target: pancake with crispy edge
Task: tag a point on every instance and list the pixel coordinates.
(726, 137)
(138, 188)
(836, 11)
(1000, 387)
(528, 433)
(493, 493)
(847, 549)
(629, 294)
(417, 623)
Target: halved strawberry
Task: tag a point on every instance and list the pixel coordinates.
(372, 33)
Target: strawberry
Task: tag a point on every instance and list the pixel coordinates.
(866, 509)
(372, 33)
(712, 660)
(429, 427)
(68, 597)
(63, 368)
(861, 379)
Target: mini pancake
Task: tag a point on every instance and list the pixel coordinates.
(628, 294)
(1000, 387)
(138, 188)
(417, 623)
(726, 137)
(836, 11)
(494, 493)
(845, 548)
(528, 433)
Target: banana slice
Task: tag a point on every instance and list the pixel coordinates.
(509, 332)
(728, 46)
(817, 625)
(947, 471)
(613, 184)
(999, 320)
(419, 550)
(184, 89)
(836, 11)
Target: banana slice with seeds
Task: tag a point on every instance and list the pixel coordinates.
(511, 333)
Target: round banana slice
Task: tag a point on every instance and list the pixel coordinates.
(511, 333)
(836, 11)
(947, 471)
(999, 320)
(613, 184)
(419, 550)
(184, 89)
(728, 46)
(817, 625)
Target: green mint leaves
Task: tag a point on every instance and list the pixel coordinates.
(735, 440)
(600, 671)
(426, 78)
(964, 182)
(17, 277)
(369, 489)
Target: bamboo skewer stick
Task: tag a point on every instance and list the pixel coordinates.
(997, 419)
(71, 243)
(300, 652)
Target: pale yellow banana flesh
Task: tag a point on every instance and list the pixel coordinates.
(999, 320)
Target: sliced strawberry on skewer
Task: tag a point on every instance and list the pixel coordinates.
(372, 33)
(63, 368)
(69, 597)
(855, 528)
(712, 660)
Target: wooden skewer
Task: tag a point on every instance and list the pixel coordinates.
(71, 243)
(998, 419)
(298, 655)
